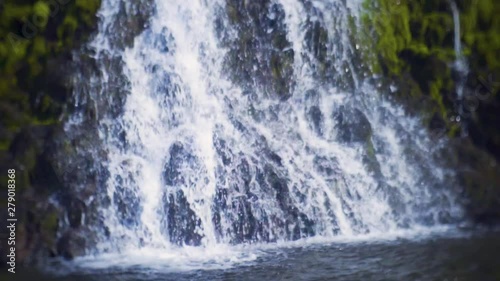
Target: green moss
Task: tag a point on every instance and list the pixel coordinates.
(481, 31)
(48, 229)
(35, 39)
(30, 36)
(403, 27)
(30, 97)
(392, 33)
(411, 44)
(41, 12)
(417, 38)
(370, 149)
(49, 223)
(435, 92)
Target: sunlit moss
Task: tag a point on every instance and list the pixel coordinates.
(48, 227)
(417, 36)
(411, 44)
(481, 32)
(31, 34)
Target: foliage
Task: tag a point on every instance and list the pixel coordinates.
(36, 41)
(417, 37)
(414, 48)
(34, 37)
(481, 32)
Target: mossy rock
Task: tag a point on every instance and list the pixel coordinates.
(36, 41)
(411, 45)
(259, 57)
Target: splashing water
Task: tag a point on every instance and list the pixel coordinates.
(205, 156)
(460, 62)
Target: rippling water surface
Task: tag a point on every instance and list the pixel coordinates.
(440, 256)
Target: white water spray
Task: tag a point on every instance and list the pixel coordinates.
(460, 62)
(200, 163)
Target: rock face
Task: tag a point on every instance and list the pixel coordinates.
(37, 41)
(180, 158)
(180, 223)
(57, 179)
(479, 175)
(72, 244)
(249, 224)
(253, 224)
(352, 125)
(260, 55)
(422, 66)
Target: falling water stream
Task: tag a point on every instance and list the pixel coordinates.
(207, 162)
(202, 161)
(232, 142)
(460, 62)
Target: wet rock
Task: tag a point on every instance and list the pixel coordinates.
(260, 57)
(235, 205)
(71, 244)
(331, 214)
(316, 39)
(274, 158)
(370, 160)
(133, 17)
(316, 117)
(270, 180)
(76, 211)
(328, 168)
(352, 125)
(244, 225)
(249, 222)
(479, 176)
(48, 180)
(223, 151)
(180, 157)
(444, 217)
(181, 223)
(128, 206)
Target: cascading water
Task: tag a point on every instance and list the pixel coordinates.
(226, 138)
(460, 62)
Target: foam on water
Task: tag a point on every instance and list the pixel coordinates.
(225, 256)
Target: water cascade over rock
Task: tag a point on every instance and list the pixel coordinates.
(227, 122)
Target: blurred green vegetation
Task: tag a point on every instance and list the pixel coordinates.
(36, 41)
(411, 44)
(417, 37)
(36, 38)
(425, 28)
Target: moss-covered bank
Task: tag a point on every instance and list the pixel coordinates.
(36, 41)
(414, 49)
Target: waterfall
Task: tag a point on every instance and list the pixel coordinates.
(251, 122)
(460, 62)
